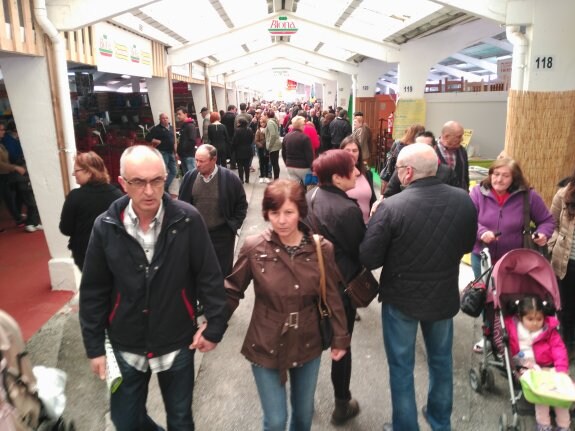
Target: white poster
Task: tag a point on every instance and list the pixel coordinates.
(119, 51)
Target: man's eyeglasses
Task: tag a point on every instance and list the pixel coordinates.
(140, 184)
(404, 166)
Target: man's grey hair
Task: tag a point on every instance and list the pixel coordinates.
(210, 149)
(421, 157)
(139, 151)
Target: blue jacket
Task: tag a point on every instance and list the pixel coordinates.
(149, 308)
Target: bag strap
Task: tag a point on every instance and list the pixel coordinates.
(322, 286)
(526, 214)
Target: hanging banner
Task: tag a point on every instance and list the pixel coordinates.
(122, 52)
(291, 85)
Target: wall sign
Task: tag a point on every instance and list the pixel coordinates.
(544, 63)
(282, 26)
(122, 52)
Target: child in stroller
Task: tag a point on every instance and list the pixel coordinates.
(535, 342)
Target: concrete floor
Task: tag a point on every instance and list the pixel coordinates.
(225, 396)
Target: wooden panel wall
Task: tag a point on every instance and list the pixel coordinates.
(80, 46)
(158, 60)
(17, 32)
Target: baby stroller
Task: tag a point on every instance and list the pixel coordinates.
(519, 273)
(21, 408)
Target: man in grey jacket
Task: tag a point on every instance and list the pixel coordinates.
(419, 237)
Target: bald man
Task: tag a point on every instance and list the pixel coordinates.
(150, 257)
(419, 237)
(452, 154)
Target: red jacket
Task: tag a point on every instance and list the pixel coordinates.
(310, 131)
(548, 348)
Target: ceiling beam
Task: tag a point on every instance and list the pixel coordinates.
(487, 65)
(282, 50)
(74, 14)
(459, 73)
(382, 51)
(502, 44)
(495, 10)
(141, 27)
(281, 63)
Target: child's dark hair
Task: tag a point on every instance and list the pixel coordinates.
(529, 304)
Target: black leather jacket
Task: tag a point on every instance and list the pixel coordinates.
(149, 308)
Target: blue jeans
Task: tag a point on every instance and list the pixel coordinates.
(303, 381)
(476, 264)
(188, 164)
(171, 166)
(128, 403)
(399, 335)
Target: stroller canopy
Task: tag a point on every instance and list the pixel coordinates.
(523, 272)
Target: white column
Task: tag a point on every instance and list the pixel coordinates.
(25, 76)
(199, 95)
(550, 55)
(330, 94)
(343, 90)
(159, 95)
(368, 74)
(220, 99)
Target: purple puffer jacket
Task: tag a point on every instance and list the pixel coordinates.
(507, 219)
(548, 347)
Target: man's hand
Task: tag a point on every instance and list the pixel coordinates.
(98, 366)
(20, 169)
(156, 142)
(200, 343)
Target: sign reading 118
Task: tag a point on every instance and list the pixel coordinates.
(544, 62)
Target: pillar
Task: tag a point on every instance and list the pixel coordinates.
(344, 85)
(368, 74)
(220, 98)
(199, 95)
(540, 130)
(28, 87)
(159, 95)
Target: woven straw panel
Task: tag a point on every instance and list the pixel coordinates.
(540, 135)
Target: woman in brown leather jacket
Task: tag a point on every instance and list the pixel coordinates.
(283, 336)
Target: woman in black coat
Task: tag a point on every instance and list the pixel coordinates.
(218, 137)
(84, 204)
(243, 149)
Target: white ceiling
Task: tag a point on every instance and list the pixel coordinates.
(229, 35)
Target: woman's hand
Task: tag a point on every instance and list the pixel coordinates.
(337, 354)
(488, 237)
(539, 239)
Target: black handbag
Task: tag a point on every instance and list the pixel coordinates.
(362, 289)
(473, 296)
(325, 327)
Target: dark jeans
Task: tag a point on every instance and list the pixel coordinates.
(274, 158)
(244, 169)
(128, 403)
(341, 370)
(264, 159)
(224, 240)
(567, 313)
(17, 192)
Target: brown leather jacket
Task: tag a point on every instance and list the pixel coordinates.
(284, 329)
(562, 240)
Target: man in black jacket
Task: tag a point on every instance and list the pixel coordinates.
(219, 196)
(452, 154)
(149, 259)
(419, 237)
(339, 128)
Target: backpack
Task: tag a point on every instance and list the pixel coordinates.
(391, 160)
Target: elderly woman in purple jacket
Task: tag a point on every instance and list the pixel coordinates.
(500, 200)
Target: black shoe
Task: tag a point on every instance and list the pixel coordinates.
(344, 410)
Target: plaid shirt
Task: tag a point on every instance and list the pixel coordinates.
(448, 155)
(148, 242)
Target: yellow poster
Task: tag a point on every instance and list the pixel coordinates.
(408, 112)
(467, 133)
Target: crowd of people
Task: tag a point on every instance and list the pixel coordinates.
(152, 263)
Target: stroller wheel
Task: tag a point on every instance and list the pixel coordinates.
(487, 378)
(475, 380)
